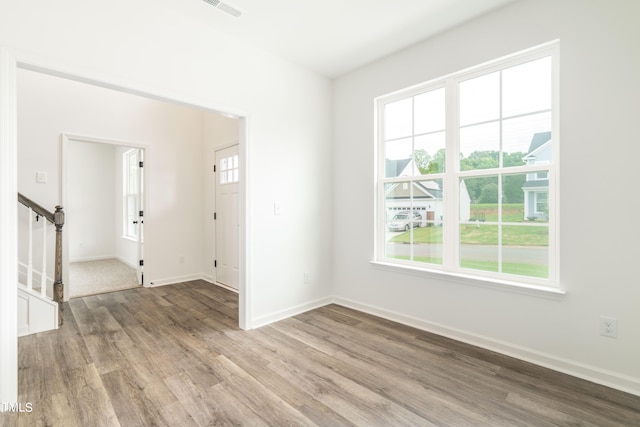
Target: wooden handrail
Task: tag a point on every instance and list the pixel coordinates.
(36, 207)
(56, 218)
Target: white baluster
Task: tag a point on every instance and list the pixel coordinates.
(30, 255)
(43, 276)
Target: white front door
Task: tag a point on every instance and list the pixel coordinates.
(227, 216)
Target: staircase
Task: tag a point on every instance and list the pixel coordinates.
(40, 298)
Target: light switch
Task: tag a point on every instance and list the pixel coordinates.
(41, 177)
(277, 210)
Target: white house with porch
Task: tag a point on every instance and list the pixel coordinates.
(536, 186)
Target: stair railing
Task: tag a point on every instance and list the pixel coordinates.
(56, 218)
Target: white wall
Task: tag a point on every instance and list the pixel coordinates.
(599, 69)
(89, 215)
(145, 46)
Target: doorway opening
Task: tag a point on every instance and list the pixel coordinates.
(134, 89)
(103, 194)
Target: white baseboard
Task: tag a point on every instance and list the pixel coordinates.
(124, 261)
(211, 280)
(172, 280)
(94, 258)
(289, 312)
(594, 374)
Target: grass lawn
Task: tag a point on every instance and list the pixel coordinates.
(484, 234)
(513, 212)
(481, 234)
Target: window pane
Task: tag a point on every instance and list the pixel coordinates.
(398, 158)
(223, 164)
(526, 88)
(429, 112)
(535, 189)
(479, 246)
(483, 198)
(525, 140)
(480, 146)
(414, 216)
(429, 155)
(397, 119)
(131, 229)
(132, 171)
(428, 202)
(397, 220)
(480, 99)
(525, 250)
(479, 241)
(513, 206)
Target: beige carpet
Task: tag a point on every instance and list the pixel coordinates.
(99, 277)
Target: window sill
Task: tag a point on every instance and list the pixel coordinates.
(465, 279)
(132, 239)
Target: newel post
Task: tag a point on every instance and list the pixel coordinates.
(58, 286)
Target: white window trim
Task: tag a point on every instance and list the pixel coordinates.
(449, 269)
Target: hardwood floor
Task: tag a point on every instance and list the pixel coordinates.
(174, 356)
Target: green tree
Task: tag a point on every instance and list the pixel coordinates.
(513, 159)
(422, 159)
(512, 188)
(480, 160)
(437, 164)
(489, 193)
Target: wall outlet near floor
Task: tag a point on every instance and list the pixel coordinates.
(609, 326)
(181, 259)
(305, 277)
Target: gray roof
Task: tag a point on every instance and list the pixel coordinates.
(538, 140)
(392, 168)
(538, 183)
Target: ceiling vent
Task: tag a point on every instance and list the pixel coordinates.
(225, 7)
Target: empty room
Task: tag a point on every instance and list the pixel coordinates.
(336, 213)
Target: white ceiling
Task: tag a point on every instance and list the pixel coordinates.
(333, 37)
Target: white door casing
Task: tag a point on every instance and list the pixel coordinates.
(227, 216)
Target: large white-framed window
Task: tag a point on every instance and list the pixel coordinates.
(467, 172)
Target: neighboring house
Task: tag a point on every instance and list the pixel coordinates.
(427, 195)
(536, 186)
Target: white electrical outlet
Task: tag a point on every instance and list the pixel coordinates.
(609, 326)
(306, 277)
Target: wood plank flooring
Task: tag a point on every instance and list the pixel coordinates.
(174, 356)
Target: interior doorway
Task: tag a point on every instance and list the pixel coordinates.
(17, 63)
(103, 192)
